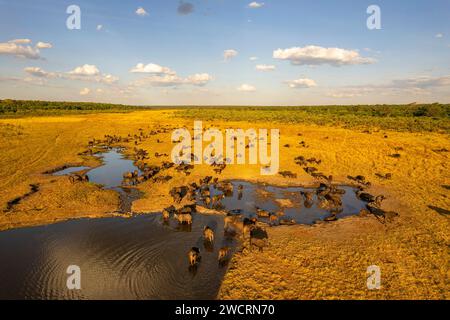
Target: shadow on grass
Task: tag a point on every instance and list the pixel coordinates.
(441, 211)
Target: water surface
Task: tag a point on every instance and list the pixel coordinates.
(265, 196)
(70, 170)
(138, 258)
(110, 173)
(141, 257)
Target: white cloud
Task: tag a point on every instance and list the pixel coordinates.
(85, 91)
(20, 51)
(160, 76)
(89, 73)
(246, 88)
(43, 45)
(314, 55)
(253, 58)
(107, 78)
(38, 72)
(151, 68)
(141, 12)
(99, 27)
(20, 41)
(301, 83)
(85, 70)
(198, 79)
(255, 5)
(21, 48)
(84, 73)
(229, 54)
(265, 67)
(439, 35)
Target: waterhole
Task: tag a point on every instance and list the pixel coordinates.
(288, 200)
(138, 258)
(110, 175)
(141, 257)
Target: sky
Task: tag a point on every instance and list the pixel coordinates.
(226, 52)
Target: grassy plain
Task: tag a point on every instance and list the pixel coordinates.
(323, 261)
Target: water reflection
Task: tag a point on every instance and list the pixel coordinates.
(137, 258)
(286, 199)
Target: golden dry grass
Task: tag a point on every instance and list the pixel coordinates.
(325, 261)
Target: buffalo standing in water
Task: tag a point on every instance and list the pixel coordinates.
(208, 234)
(183, 218)
(223, 253)
(194, 256)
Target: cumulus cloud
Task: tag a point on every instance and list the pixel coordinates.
(20, 41)
(265, 67)
(199, 79)
(151, 68)
(185, 8)
(85, 91)
(43, 45)
(229, 54)
(246, 88)
(38, 72)
(100, 78)
(315, 55)
(85, 70)
(255, 5)
(141, 12)
(83, 73)
(160, 76)
(439, 35)
(253, 58)
(20, 51)
(301, 83)
(22, 48)
(107, 78)
(99, 27)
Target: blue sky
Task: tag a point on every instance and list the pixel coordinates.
(327, 54)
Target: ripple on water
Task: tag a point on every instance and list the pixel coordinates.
(137, 258)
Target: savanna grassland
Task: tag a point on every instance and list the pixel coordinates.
(324, 261)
